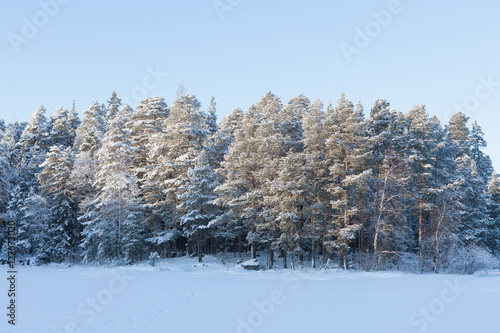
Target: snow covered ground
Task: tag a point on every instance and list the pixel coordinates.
(181, 296)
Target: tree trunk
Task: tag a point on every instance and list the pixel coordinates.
(313, 254)
(270, 255)
(420, 229)
(254, 250)
(284, 259)
(239, 245)
(200, 257)
(325, 217)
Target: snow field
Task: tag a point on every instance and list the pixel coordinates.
(179, 295)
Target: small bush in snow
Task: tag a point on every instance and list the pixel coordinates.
(153, 257)
(468, 260)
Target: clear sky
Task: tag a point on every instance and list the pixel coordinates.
(437, 53)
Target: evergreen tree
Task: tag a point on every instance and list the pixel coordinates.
(12, 137)
(56, 186)
(89, 134)
(60, 130)
(173, 151)
(218, 139)
(347, 148)
(7, 175)
(231, 123)
(13, 213)
(483, 162)
(317, 175)
(145, 122)
(143, 127)
(418, 150)
(36, 131)
(73, 122)
(287, 196)
(113, 222)
(458, 133)
(239, 194)
(113, 106)
(197, 206)
(32, 145)
(493, 234)
(33, 230)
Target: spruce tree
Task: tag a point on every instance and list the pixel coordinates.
(60, 131)
(57, 188)
(89, 134)
(197, 208)
(114, 104)
(113, 222)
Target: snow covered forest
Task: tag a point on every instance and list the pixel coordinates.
(303, 181)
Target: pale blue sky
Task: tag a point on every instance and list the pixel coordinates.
(431, 52)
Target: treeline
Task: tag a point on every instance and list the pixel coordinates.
(304, 181)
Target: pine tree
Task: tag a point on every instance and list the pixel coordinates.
(418, 148)
(7, 174)
(239, 194)
(483, 161)
(348, 152)
(380, 136)
(475, 220)
(145, 122)
(73, 122)
(273, 145)
(2, 128)
(113, 106)
(493, 234)
(36, 131)
(458, 133)
(144, 125)
(317, 175)
(218, 140)
(86, 143)
(197, 206)
(89, 134)
(60, 130)
(474, 167)
(388, 223)
(113, 222)
(291, 118)
(12, 137)
(441, 195)
(13, 213)
(231, 123)
(32, 144)
(173, 152)
(287, 196)
(212, 117)
(56, 186)
(33, 231)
